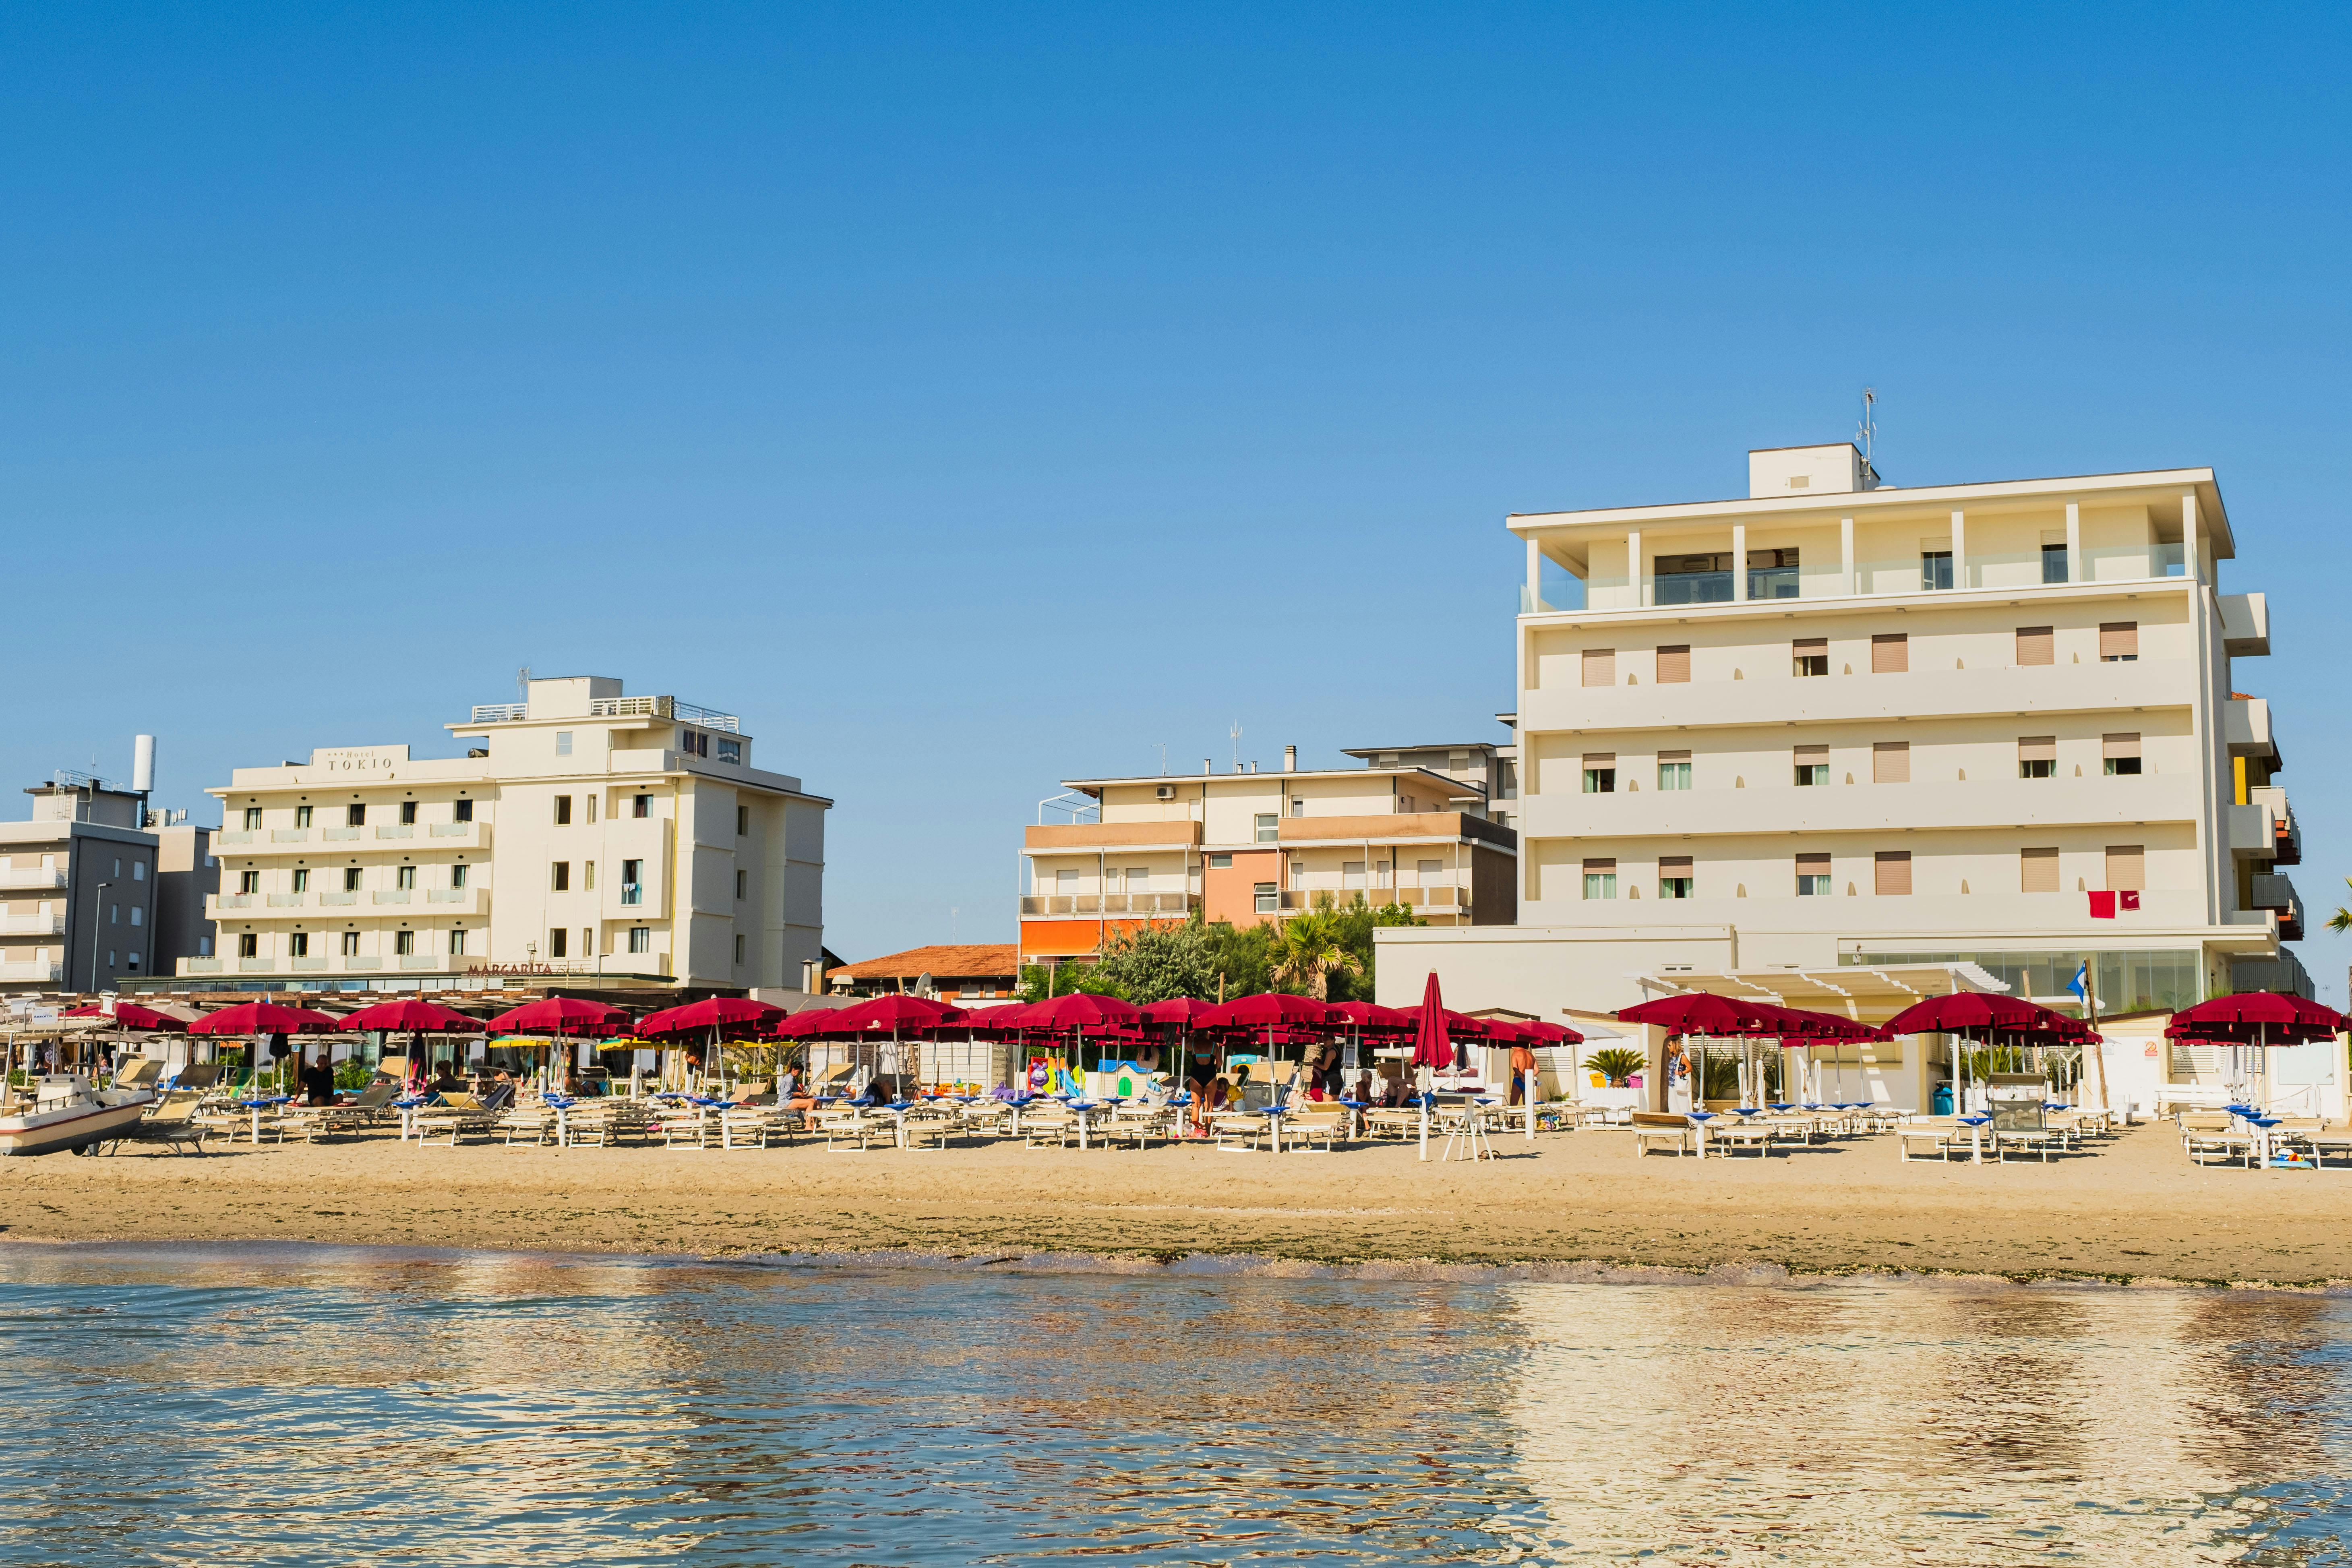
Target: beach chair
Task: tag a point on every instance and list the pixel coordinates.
(458, 1114)
(1727, 1135)
(1669, 1130)
(171, 1122)
(317, 1121)
(1315, 1126)
(1941, 1136)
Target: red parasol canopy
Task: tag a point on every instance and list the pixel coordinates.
(892, 1014)
(414, 1014)
(1080, 1010)
(1552, 1034)
(129, 1015)
(711, 1012)
(1374, 1018)
(262, 1018)
(1432, 1047)
(2256, 1017)
(1705, 1013)
(1186, 1011)
(1971, 1015)
(1002, 1020)
(562, 1015)
(1272, 1009)
(808, 1020)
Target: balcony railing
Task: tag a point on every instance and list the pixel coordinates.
(499, 712)
(396, 830)
(660, 708)
(633, 893)
(392, 895)
(1981, 571)
(28, 877)
(31, 971)
(340, 833)
(339, 898)
(289, 835)
(2289, 833)
(1293, 898)
(452, 829)
(1089, 905)
(235, 836)
(32, 925)
(233, 901)
(288, 900)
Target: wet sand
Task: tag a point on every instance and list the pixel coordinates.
(2136, 1208)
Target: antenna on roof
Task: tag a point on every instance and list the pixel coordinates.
(1163, 759)
(522, 684)
(1867, 431)
(1235, 732)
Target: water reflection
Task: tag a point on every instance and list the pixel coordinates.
(306, 1405)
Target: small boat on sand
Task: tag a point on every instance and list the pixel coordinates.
(65, 1112)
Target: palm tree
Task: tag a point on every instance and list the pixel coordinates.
(2342, 919)
(1306, 949)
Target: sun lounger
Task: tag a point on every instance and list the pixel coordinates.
(1941, 1136)
(1726, 1135)
(1668, 1130)
(1309, 1128)
(314, 1123)
(170, 1122)
(2029, 1139)
(458, 1114)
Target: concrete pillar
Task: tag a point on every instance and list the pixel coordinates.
(2074, 563)
(2188, 556)
(1634, 568)
(1845, 553)
(1959, 550)
(1738, 562)
(1535, 579)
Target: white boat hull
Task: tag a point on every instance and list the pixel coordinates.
(74, 1125)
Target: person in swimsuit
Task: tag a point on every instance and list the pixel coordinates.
(1199, 1073)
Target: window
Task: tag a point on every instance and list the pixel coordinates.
(404, 876)
(408, 813)
(742, 820)
(1812, 766)
(2053, 563)
(1935, 568)
(742, 885)
(730, 751)
(1351, 874)
(1220, 862)
(2121, 754)
(1269, 827)
(1600, 772)
(301, 880)
(458, 874)
(1772, 573)
(641, 939)
(1692, 579)
(1673, 665)
(1139, 877)
(1890, 653)
(2126, 867)
(559, 939)
(351, 944)
(252, 817)
(301, 817)
(641, 806)
(1298, 809)
(249, 945)
(138, 915)
(110, 958)
(1600, 879)
(299, 945)
(114, 914)
(355, 816)
(1674, 770)
(203, 947)
(592, 807)
(249, 881)
(588, 875)
(1810, 656)
(2037, 870)
(464, 811)
(351, 878)
(563, 742)
(404, 942)
(1890, 762)
(2036, 645)
(1263, 899)
(633, 890)
(562, 810)
(1601, 666)
(1812, 876)
(2118, 642)
(1673, 875)
(135, 958)
(1894, 873)
(2037, 756)
(558, 877)
(739, 948)
(458, 940)
(1066, 880)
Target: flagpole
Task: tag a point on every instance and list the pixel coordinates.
(2091, 1006)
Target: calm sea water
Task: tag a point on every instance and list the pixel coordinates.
(314, 1405)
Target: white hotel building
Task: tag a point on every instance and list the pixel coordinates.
(1837, 726)
(586, 833)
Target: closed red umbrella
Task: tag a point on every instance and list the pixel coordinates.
(414, 1014)
(262, 1018)
(711, 1012)
(1433, 1043)
(562, 1015)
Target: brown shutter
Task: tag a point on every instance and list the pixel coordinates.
(1812, 865)
(2120, 745)
(1674, 865)
(1600, 759)
(1601, 666)
(2037, 870)
(1608, 865)
(1812, 754)
(1804, 645)
(2126, 867)
(1674, 664)
(1894, 872)
(1890, 762)
(1674, 756)
(1890, 653)
(2037, 748)
(2036, 645)
(2119, 639)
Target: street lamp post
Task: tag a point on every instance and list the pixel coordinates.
(98, 906)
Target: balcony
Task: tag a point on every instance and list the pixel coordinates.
(1092, 906)
(29, 971)
(2277, 895)
(1394, 827)
(329, 900)
(1707, 579)
(499, 712)
(29, 878)
(1169, 832)
(2252, 831)
(396, 830)
(454, 835)
(1429, 896)
(392, 895)
(331, 963)
(2246, 720)
(2245, 625)
(240, 836)
(340, 835)
(2289, 839)
(32, 925)
(659, 708)
(286, 900)
(214, 902)
(289, 835)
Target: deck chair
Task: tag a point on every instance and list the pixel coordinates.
(171, 1122)
(140, 1074)
(319, 1121)
(458, 1114)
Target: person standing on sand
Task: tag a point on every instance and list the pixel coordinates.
(1199, 1071)
(1523, 1062)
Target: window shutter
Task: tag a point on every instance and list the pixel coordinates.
(1600, 759)
(2119, 639)
(1601, 666)
(1674, 865)
(1804, 645)
(1674, 756)
(1807, 754)
(1812, 865)
(2037, 748)
(1890, 653)
(2037, 870)
(2126, 867)
(1674, 664)
(2120, 746)
(1894, 868)
(2036, 645)
(1890, 762)
(1608, 865)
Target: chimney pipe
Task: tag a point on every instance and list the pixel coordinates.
(142, 764)
(1208, 765)
(1290, 759)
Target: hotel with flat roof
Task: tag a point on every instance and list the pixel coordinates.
(1836, 725)
(586, 834)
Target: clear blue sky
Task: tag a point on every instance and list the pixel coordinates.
(977, 397)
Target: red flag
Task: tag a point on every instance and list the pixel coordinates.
(2103, 906)
(2128, 900)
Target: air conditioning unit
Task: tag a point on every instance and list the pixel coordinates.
(1166, 792)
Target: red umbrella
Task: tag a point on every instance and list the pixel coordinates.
(1373, 1018)
(1184, 1011)
(562, 1016)
(1970, 1013)
(2252, 1017)
(1705, 1013)
(414, 1014)
(1003, 1020)
(129, 1015)
(711, 1012)
(1553, 1034)
(808, 1020)
(1082, 1010)
(894, 1012)
(1269, 1010)
(1432, 1047)
(262, 1018)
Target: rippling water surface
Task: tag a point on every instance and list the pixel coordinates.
(316, 1405)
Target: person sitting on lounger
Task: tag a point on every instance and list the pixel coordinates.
(319, 1084)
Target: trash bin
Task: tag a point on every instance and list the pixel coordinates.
(1941, 1103)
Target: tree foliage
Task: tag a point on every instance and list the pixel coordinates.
(1158, 962)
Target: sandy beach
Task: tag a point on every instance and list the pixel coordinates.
(2135, 1209)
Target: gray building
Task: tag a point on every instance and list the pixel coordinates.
(97, 890)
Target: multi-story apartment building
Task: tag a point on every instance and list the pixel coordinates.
(1837, 723)
(588, 833)
(1249, 847)
(96, 891)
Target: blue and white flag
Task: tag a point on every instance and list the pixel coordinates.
(2080, 985)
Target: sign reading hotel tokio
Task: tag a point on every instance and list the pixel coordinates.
(366, 761)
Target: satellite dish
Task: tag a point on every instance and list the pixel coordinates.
(923, 986)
